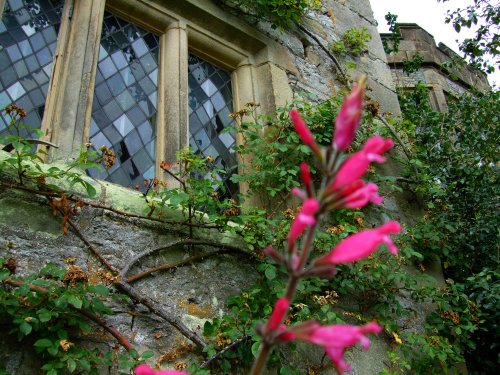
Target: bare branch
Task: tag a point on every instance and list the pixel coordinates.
(225, 350)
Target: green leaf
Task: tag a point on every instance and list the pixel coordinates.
(255, 348)
(4, 273)
(209, 329)
(91, 191)
(25, 328)
(84, 326)
(43, 343)
(75, 301)
(147, 354)
(85, 365)
(53, 350)
(71, 365)
(270, 272)
(179, 198)
(102, 290)
(133, 353)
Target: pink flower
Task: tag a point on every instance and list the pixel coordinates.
(305, 174)
(357, 164)
(301, 128)
(278, 314)
(358, 194)
(347, 121)
(304, 132)
(146, 370)
(361, 245)
(304, 219)
(336, 338)
(299, 193)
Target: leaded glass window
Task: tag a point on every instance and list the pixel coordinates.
(28, 36)
(210, 103)
(125, 100)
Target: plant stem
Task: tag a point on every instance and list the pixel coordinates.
(261, 360)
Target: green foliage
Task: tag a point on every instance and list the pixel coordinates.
(284, 13)
(391, 44)
(484, 292)
(456, 155)
(414, 64)
(458, 159)
(200, 192)
(354, 42)
(44, 310)
(26, 161)
(272, 151)
(375, 283)
(483, 17)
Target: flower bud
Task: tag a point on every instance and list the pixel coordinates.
(304, 133)
(361, 245)
(347, 121)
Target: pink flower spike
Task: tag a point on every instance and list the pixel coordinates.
(361, 196)
(358, 163)
(347, 121)
(304, 219)
(336, 338)
(146, 370)
(301, 128)
(305, 174)
(361, 245)
(278, 314)
(303, 131)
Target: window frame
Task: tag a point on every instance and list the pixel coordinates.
(257, 64)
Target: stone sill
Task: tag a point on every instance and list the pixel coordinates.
(127, 200)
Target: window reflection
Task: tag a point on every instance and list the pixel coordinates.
(125, 99)
(210, 103)
(28, 35)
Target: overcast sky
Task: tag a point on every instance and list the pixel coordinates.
(428, 14)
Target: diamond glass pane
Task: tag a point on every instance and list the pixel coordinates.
(28, 35)
(124, 107)
(210, 103)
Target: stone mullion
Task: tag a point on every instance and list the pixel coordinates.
(173, 127)
(243, 92)
(2, 5)
(69, 104)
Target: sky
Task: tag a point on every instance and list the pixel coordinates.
(428, 14)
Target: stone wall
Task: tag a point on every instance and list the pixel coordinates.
(194, 292)
(433, 73)
(313, 71)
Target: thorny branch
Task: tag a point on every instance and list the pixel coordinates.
(165, 267)
(231, 346)
(138, 297)
(148, 252)
(92, 248)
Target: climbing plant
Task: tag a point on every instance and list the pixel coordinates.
(458, 182)
(353, 42)
(480, 16)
